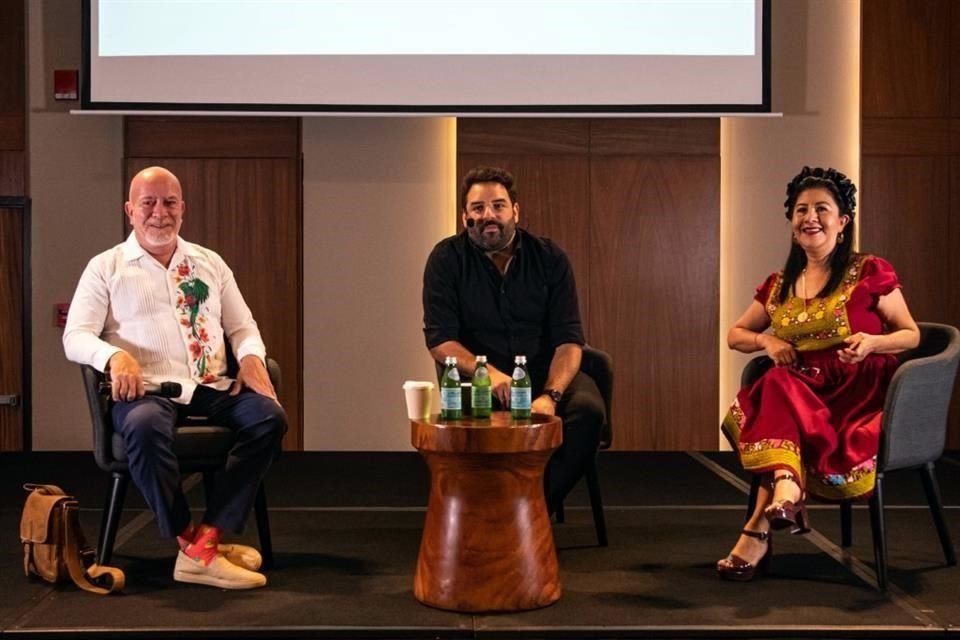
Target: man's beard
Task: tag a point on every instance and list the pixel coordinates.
(495, 242)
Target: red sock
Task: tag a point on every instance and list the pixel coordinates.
(186, 536)
(204, 546)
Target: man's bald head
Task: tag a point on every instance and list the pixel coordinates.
(154, 174)
(155, 210)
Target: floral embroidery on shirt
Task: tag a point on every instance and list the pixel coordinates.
(192, 292)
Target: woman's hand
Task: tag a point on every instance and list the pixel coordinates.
(860, 346)
(780, 351)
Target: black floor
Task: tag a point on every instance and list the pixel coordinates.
(347, 528)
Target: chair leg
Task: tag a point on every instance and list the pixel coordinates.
(110, 520)
(846, 523)
(263, 526)
(209, 478)
(932, 489)
(879, 533)
(560, 515)
(754, 493)
(596, 503)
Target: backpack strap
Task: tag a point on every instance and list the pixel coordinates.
(72, 553)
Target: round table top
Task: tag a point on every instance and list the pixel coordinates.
(500, 433)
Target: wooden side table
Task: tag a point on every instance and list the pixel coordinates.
(487, 542)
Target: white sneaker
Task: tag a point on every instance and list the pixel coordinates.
(219, 573)
(241, 555)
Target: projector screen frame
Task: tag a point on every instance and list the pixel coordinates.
(172, 108)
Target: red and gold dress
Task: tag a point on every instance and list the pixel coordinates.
(820, 418)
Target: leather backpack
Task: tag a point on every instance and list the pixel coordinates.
(53, 544)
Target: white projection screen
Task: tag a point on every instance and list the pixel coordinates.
(428, 56)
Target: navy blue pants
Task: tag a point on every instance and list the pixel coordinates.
(147, 426)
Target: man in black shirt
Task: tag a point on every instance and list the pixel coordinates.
(496, 290)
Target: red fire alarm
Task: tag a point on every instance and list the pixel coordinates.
(60, 314)
(65, 84)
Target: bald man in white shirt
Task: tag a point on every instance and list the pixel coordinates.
(157, 308)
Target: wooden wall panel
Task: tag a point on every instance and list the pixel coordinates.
(627, 199)
(652, 137)
(199, 137)
(912, 231)
(911, 150)
(501, 137)
(906, 58)
(14, 368)
(11, 327)
(655, 229)
(247, 209)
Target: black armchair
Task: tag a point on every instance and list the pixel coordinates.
(913, 432)
(200, 447)
(599, 366)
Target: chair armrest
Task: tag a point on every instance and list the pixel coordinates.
(599, 366)
(754, 369)
(276, 376)
(99, 404)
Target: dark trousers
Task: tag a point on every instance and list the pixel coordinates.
(148, 427)
(583, 413)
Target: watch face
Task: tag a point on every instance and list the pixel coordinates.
(554, 395)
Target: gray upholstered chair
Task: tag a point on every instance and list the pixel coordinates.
(200, 447)
(913, 432)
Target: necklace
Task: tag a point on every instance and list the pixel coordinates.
(803, 315)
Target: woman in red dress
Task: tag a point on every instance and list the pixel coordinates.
(811, 424)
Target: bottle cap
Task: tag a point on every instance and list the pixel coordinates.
(482, 359)
(520, 360)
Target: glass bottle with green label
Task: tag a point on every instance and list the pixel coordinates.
(520, 389)
(451, 402)
(480, 398)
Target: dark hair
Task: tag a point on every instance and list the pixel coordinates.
(844, 192)
(487, 174)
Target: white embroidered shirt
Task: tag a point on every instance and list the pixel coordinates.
(173, 320)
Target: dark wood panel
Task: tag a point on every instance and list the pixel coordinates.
(515, 136)
(906, 58)
(953, 292)
(955, 59)
(196, 137)
(655, 136)
(906, 220)
(11, 327)
(910, 136)
(13, 179)
(654, 246)
(13, 56)
(553, 193)
(13, 131)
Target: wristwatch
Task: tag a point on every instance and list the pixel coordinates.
(553, 394)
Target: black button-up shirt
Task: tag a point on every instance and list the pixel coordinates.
(530, 311)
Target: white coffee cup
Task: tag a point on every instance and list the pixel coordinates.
(418, 394)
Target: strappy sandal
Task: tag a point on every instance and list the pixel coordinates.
(788, 514)
(733, 567)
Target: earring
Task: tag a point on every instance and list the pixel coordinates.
(840, 237)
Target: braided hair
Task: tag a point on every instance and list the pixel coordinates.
(844, 192)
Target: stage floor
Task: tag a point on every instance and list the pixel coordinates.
(346, 530)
